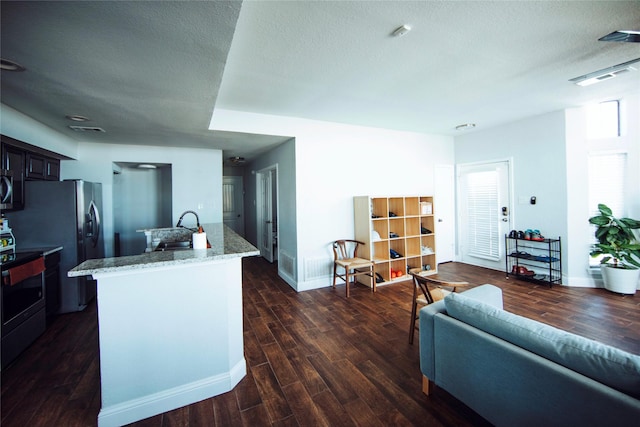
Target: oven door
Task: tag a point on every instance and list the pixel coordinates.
(6, 189)
(21, 300)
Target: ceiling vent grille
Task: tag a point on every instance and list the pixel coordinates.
(606, 73)
(87, 129)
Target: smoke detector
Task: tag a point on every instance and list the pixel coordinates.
(401, 31)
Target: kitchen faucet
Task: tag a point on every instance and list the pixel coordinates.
(179, 224)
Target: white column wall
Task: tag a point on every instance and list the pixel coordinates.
(334, 163)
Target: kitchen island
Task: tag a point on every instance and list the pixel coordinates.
(170, 324)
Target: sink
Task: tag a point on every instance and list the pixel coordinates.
(173, 246)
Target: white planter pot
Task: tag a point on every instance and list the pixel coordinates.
(620, 280)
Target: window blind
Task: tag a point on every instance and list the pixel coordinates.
(483, 215)
(607, 182)
(607, 173)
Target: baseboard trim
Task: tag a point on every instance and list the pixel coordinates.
(167, 400)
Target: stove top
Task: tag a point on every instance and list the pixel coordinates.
(12, 259)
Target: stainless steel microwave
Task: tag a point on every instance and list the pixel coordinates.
(6, 189)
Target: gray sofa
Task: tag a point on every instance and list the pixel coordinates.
(514, 371)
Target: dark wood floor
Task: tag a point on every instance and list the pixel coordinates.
(314, 358)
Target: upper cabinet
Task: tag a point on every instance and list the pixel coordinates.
(42, 168)
(13, 159)
(27, 162)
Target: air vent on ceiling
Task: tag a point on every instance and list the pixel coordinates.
(606, 73)
(628, 36)
(87, 129)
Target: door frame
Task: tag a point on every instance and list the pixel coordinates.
(500, 263)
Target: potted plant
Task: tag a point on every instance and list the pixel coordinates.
(620, 264)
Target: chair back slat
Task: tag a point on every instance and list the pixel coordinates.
(421, 284)
(344, 249)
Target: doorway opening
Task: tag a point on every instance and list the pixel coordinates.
(141, 199)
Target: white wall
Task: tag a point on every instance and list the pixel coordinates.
(536, 147)
(334, 163)
(580, 232)
(196, 177)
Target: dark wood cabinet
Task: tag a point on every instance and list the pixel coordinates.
(27, 162)
(52, 170)
(35, 166)
(39, 167)
(13, 158)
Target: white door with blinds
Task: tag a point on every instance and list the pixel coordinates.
(484, 211)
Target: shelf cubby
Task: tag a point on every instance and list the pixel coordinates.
(396, 225)
(413, 247)
(380, 251)
(396, 205)
(412, 226)
(411, 206)
(380, 207)
(381, 226)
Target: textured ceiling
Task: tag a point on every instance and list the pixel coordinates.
(151, 73)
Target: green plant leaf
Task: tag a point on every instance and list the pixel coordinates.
(604, 209)
(631, 223)
(599, 220)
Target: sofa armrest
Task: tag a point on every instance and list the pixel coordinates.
(489, 294)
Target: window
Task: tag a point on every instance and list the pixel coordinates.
(607, 173)
(603, 120)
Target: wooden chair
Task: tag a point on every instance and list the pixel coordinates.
(345, 253)
(427, 290)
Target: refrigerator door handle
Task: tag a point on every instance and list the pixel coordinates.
(93, 224)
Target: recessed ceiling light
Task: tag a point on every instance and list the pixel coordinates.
(466, 126)
(7, 65)
(401, 31)
(77, 118)
(146, 166)
(629, 36)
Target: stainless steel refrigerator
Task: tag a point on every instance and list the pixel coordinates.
(65, 213)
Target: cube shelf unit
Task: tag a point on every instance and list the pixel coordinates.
(396, 223)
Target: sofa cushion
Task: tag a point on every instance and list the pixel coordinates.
(605, 364)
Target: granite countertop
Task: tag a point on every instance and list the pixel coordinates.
(225, 244)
